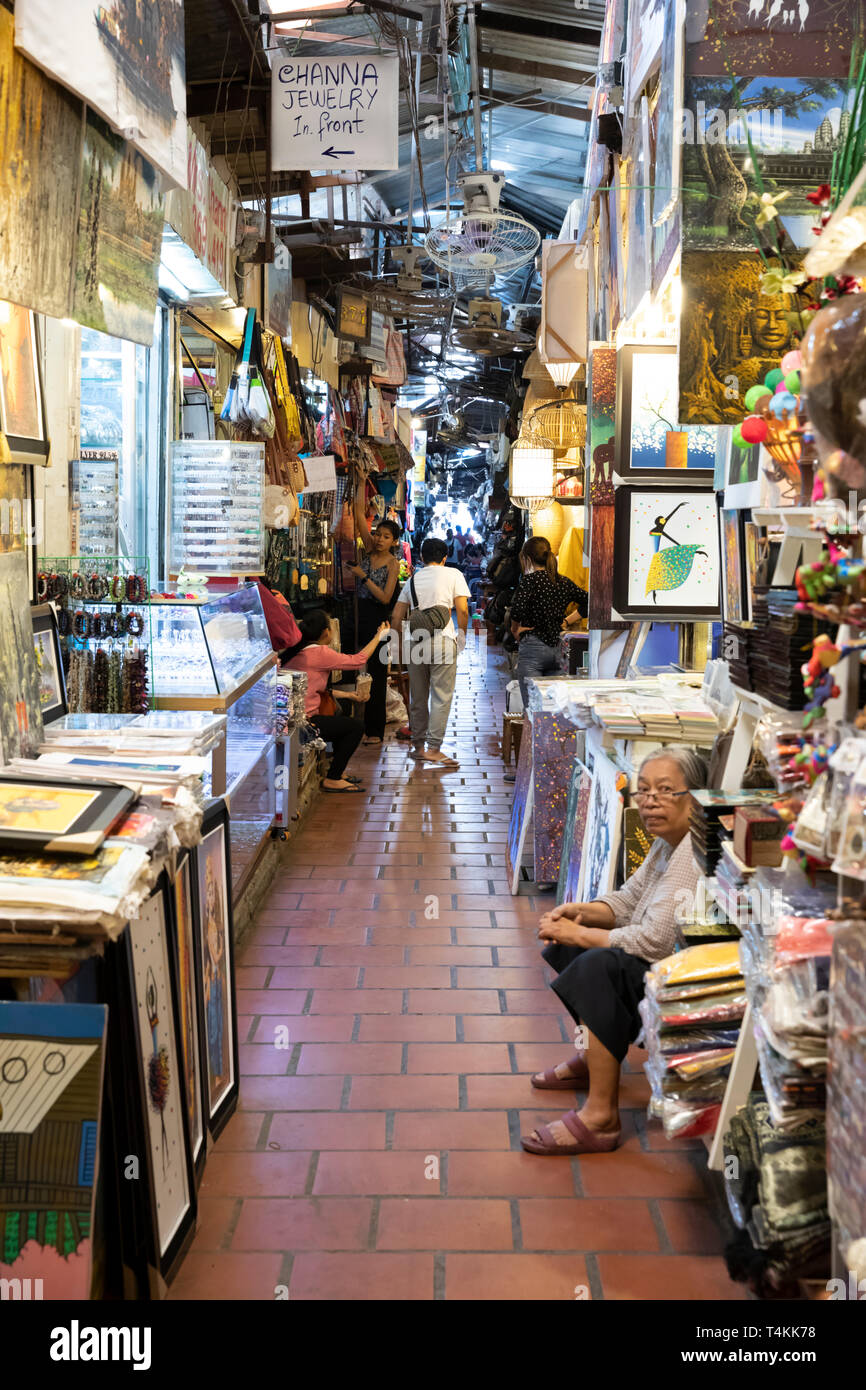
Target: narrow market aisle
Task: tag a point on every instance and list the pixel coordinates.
(416, 1008)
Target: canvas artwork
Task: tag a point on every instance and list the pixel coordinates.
(638, 206)
(574, 832)
(743, 475)
(757, 36)
(646, 22)
(601, 841)
(14, 508)
(216, 954)
(20, 710)
(49, 665)
(41, 190)
(158, 1057)
(21, 417)
(650, 441)
(600, 452)
(668, 149)
(763, 134)
(553, 741)
(666, 558)
(119, 237)
(125, 59)
(732, 335)
(636, 840)
(51, 1072)
(189, 1003)
(730, 522)
(521, 808)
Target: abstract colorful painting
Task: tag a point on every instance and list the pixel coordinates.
(521, 808)
(600, 452)
(119, 237)
(125, 59)
(553, 750)
(159, 1060)
(650, 442)
(574, 832)
(603, 824)
(51, 1069)
(731, 334)
(730, 523)
(40, 166)
(217, 957)
(666, 558)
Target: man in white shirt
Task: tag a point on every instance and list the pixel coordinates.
(432, 650)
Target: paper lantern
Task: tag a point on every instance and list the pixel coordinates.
(754, 429)
(549, 521)
(531, 472)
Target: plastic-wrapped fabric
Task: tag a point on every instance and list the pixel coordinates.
(800, 937)
(718, 960)
(682, 1120)
(690, 1064)
(701, 990)
(726, 1009)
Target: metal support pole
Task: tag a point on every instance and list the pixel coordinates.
(476, 98)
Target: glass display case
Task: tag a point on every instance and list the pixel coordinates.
(207, 648)
(217, 503)
(216, 655)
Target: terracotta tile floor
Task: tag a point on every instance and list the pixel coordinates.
(377, 1155)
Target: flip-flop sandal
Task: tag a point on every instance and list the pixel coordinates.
(355, 780)
(587, 1141)
(552, 1082)
(342, 791)
(441, 762)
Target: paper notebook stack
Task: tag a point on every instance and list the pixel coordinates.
(158, 733)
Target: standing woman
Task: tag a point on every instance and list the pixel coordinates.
(544, 601)
(379, 570)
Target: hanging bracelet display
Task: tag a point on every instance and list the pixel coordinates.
(118, 587)
(136, 589)
(81, 624)
(42, 586)
(97, 586)
(97, 626)
(77, 586)
(116, 624)
(135, 624)
(64, 622)
(59, 585)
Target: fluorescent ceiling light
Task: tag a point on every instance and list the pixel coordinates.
(184, 274)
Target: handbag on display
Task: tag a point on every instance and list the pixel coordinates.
(394, 371)
(280, 507)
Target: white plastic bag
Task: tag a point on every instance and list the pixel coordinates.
(513, 701)
(395, 708)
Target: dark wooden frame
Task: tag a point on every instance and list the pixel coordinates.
(622, 559)
(669, 477)
(45, 621)
(215, 817)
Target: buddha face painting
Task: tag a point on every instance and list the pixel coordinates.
(770, 331)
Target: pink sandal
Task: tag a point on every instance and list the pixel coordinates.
(552, 1082)
(587, 1141)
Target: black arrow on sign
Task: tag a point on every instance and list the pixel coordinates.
(334, 153)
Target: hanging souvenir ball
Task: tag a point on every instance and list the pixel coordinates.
(739, 438)
(773, 378)
(792, 382)
(754, 394)
(792, 361)
(754, 429)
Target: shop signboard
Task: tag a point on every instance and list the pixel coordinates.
(335, 113)
(125, 59)
(200, 213)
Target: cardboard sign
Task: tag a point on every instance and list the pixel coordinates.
(321, 473)
(341, 113)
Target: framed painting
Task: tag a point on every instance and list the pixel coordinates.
(58, 817)
(636, 841)
(743, 485)
(733, 570)
(521, 809)
(49, 663)
(52, 1059)
(187, 946)
(553, 753)
(574, 831)
(666, 557)
(155, 1077)
(603, 825)
(646, 20)
(22, 417)
(651, 446)
(219, 1034)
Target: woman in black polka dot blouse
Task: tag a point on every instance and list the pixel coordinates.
(539, 610)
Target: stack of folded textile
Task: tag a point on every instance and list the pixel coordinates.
(692, 1010)
(786, 952)
(712, 820)
(776, 1186)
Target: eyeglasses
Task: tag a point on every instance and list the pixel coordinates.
(664, 798)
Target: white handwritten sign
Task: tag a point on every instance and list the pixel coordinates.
(339, 113)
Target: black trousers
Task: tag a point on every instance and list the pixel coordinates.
(370, 617)
(601, 987)
(343, 734)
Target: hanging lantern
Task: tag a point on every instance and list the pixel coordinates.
(531, 474)
(549, 521)
(561, 422)
(562, 373)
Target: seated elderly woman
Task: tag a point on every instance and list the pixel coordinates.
(601, 951)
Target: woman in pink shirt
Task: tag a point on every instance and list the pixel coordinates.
(317, 657)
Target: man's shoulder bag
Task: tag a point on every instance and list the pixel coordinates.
(426, 619)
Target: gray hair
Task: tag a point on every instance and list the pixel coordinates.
(692, 764)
